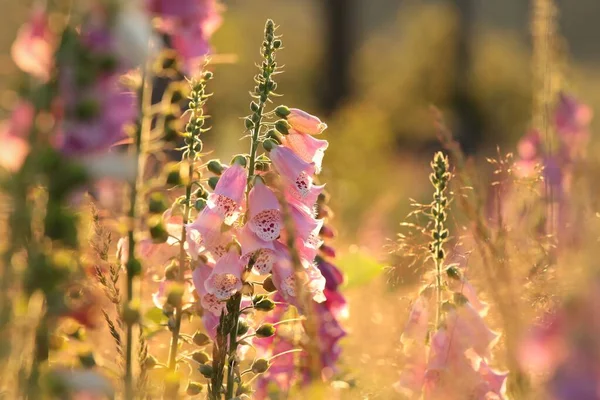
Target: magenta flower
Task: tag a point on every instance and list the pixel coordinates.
(308, 148)
(305, 123)
(209, 301)
(265, 216)
(33, 49)
(226, 277)
(229, 193)
(295, 172)
(572, 117)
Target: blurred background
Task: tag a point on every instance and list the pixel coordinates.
(372, 69)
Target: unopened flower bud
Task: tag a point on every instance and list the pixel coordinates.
(212, 182)
(175, 295)
(200, 204)
(208, 75)
(453, 272)
(269, 144)
(263, 303)
(243, 328)
(134, 267)
(200, 357)
(206, 370)
(272, 134)
(200, 339)
(327, 250)
(174, 175)
(158, 232)
(282, 111)
(277, 44)
(239, 159)
(327, 232)
(253, 106)
(194, 388)
(261, 365)
(265, 330)
(248, 122)
(215, 167)
(283, 126)
(157, 203)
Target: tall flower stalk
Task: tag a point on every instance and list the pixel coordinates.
(265, 86)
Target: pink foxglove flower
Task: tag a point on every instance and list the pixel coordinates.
(418, 322)
(229, 193)
(265, 216)
(295, 172)
(226, 277)
(305, 123)
(457, 283)
(308, 148)
(209, 301)
(204, 233)
(469, 329)
(263, 253)
(189, 24)
(33, 49)
(13, 134)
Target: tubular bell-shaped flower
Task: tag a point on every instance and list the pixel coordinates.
(308, 148)
(226, 277)
(228, 195)
(262, 253)
(265, 215)
(304, 122)
(33, 49)
(209, 301)
(295, 172)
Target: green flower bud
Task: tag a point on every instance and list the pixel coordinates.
(215, 167)
(248, 122)
(453, 272)
(157, 203)
(200, 339)
(240, 159)
(253, 106)
(158, 233)
(174, 175)
(277, 44)
(243, 328)
(200, 357)
(265, 330)
(261, 365)
(134, 267)
(200, 204)
(201, 193)
(269, 144)
(262, 166)
(272, 134)
(175, 295)
(283, 126)
(263, 303)
(194, 388)
(206, 370)
(208, 75)
(212, 182)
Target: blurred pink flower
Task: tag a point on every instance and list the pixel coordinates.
(204, 233)
(14, 133)
(417, 326)
(265, 216)
(226, 277)
(190, 24)
(33, 49)
(308, 148)
(305, 123)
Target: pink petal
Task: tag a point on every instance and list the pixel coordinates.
(308, 148)
(418, 322)
(294, 171)
(305, 122)
(265, 216)
(204, 232)
(33, 49)
(226, 277)
(232, 183)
